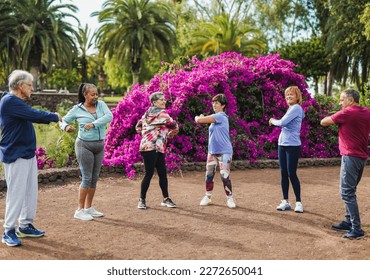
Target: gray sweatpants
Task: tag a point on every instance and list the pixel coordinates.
(90, 156)
(22, 192)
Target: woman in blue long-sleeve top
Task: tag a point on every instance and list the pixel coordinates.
(92, 116)
(289, 147)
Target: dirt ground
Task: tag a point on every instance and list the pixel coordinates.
(252, 231)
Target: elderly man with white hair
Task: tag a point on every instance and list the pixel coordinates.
(17, 152)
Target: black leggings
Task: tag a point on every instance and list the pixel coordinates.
(154, 160)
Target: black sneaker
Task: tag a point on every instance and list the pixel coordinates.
(168, 202)
(342, 226)
(354, 234)
(141, 204)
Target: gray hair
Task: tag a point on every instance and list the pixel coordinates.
(349, 92)
(155, 96)
(17, 77)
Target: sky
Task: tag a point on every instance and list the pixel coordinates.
(86, 7)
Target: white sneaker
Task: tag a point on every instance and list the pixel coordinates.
(93, 212)
(284, 205)
(205, 201)
(298, 207)
(230, 202)
(80, 214)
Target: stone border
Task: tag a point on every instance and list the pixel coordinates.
(60, 175)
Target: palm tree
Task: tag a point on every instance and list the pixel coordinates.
(132, 27)
(9, 48)
(225, 35)
(85, 43)
(45, 37)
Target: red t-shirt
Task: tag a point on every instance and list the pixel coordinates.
(354, 130)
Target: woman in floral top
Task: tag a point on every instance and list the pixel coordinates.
(155, 127)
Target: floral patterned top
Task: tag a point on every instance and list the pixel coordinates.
(154, 126)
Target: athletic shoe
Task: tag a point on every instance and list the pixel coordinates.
(141, 204)
(29, 231)
(10, 238)
(82, 215)
(284, 205)
(354, 234)
(206, 201)
(168, 202)
(342, 226)
(230, 202)
(93, 212)
(298, 207)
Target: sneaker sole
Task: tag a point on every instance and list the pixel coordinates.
(169, 206)
(141, 207)
(10, 245)
(22, 235)
(82, 219)
(286, 209)
(97, 215)
(337, 229)
(298, 211)
(209, 203)
(354, 238)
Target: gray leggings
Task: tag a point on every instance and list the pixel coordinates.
(90, 157)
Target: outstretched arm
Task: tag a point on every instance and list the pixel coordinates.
(327, 121)
(201, 119)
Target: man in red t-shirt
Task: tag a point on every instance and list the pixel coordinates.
(354, 129)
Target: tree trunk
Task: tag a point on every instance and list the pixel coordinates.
(35, 73)
(330, 83)
(326, 85)
(135, 77)
(316, 86)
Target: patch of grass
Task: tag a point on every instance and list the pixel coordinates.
(110, 99)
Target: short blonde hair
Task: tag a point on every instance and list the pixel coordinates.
(297, 91)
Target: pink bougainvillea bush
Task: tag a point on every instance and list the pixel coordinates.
(43, 161)
(255, 92)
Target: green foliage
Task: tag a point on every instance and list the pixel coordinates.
(112, 99)
(38, 36)
(310, 56)
(365, 96)
(365, 20)
(59, 145)
(330, 102)
(349, 48)
(226, 34)
(135, 27)
(64, 78)
(283, 21)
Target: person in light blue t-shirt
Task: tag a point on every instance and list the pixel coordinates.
(220, 150)
(289, 147)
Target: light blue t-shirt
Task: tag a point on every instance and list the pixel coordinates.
(219, 137)
(291, 126)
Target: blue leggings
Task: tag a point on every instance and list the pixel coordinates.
(288, 161)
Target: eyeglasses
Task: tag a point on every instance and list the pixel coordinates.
(162, 99)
